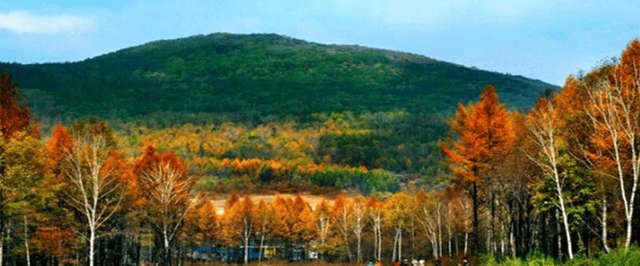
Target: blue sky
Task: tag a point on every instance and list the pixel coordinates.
(541, 39)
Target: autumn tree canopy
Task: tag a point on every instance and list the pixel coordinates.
(480, 132)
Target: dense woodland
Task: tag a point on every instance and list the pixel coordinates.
(559, 180)
(253, 79)
(358, 106)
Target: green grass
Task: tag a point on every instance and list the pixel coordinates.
(618, 257)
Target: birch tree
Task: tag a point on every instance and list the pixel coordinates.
(543, 123)
(375, 211)
(265, 216)
(427, 214)
(398, 213)
(342, 212)
(358, 223)
(166, 193)
(92, 172)
(324, 220)
(615, 112)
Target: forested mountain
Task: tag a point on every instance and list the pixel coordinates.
(340, 106)
(254, 79)
(555, 183)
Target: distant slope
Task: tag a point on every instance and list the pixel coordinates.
(255, 78)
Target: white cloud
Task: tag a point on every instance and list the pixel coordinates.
(23, 22)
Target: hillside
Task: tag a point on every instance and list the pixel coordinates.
(255, 78)
(264, 108)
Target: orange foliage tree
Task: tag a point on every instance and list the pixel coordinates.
(241, 222)
(358, 221)
(265, 216)
(302, 220)
(374, 208)
(398, 214)
(207, 223)
(91, 173)
(481, 132)
(166, 193)
(341, 213)
(15, 122)
(59, 223)
(52, 241)
(282, 222)
(323, 221)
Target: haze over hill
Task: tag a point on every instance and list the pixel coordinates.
(255, 79)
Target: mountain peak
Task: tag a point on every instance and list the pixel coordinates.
(258, 76)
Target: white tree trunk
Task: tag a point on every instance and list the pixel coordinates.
(466, 242)
(439, 234)
(26, 240)
(94, 183)
(449, 237)
(502, 235)
(379, 229)
(512, 243)
(604, 224)
(92, 245)
(565, 219)
(616, 106)
(395, 247)
(434, 246)
(245, 241)
(543, 131)
(399, 243)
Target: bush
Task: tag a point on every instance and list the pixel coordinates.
(365, 181)
(618, 257)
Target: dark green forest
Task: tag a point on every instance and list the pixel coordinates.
(255, 79)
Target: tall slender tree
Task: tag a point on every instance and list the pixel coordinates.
(342, 212)
(15, 117)
(375, 212)
(615, 112)
(480, 132)
(265, 216)
(242, 221)
(398, 214)
(167, 194)
(544, 125)
(427, 209)
(358, 223)
(324, 220)
(92, 174)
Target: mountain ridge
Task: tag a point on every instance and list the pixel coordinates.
(239, 77)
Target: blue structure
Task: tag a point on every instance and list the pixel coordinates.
(210, 253)
(236, 254)
(209, 250)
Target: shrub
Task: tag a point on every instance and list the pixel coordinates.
(365, 181)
